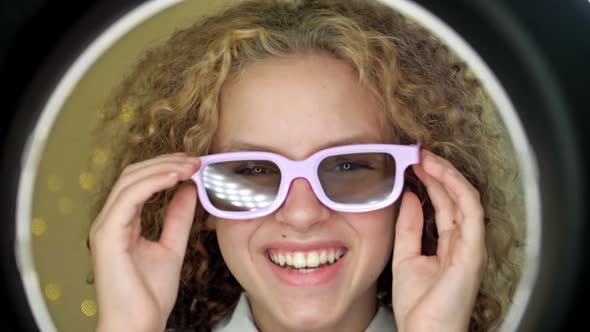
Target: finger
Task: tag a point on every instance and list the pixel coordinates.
(136, 170)
(465, 196)
(408, 230)
(169, 156)
(444, 210)
(123, 240)
(184, 167)
(179, 219)
(129, 201)
(444, 207)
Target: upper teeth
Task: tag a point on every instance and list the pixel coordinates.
(310, 259)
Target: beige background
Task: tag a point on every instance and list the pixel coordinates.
(69, 167)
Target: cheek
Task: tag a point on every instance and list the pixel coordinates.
(383, 227)
(233, 239)
(377, 231)
(235, 243)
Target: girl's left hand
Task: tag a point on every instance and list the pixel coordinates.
(437, 293)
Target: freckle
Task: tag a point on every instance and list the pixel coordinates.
(284, 236)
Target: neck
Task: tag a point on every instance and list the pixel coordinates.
(355, 318)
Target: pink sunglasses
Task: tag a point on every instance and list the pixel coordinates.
(350, 178)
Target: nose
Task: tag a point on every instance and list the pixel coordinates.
(301, 209)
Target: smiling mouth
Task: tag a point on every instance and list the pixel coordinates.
(306, 262)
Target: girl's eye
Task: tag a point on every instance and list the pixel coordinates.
(352, 166)
(253, 171)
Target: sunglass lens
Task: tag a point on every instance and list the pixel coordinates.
(362, 178)
(245, 185)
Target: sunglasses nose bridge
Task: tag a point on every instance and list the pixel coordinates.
(304, 169)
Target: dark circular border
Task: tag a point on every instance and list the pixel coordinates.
(545, 87)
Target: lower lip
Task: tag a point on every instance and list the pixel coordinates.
(318, 277)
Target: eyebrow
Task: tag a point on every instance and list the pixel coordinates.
(235, 146)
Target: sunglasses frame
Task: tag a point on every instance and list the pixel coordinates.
(404, 156)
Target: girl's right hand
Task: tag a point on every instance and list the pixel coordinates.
(136, 279)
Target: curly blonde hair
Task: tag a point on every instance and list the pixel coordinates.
(424, 93)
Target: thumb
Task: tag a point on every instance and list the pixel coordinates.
(179, 219)
(408, 230)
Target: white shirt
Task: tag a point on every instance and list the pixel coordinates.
(241, 320)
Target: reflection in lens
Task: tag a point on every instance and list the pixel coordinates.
(361, 178)
(245, 185)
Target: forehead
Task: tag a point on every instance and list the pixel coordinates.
(296, 105)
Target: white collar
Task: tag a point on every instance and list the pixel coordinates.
(241, 320)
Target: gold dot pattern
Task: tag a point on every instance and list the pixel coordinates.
(65, 205)
(88, 307)
(52, 292)
(127, 112)
(100, 156)
(87, 181)
(38, 226)
(55, 183)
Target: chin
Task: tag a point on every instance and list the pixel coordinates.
(308, 323)
(307, 316)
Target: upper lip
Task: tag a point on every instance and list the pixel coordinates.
(303, 246)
